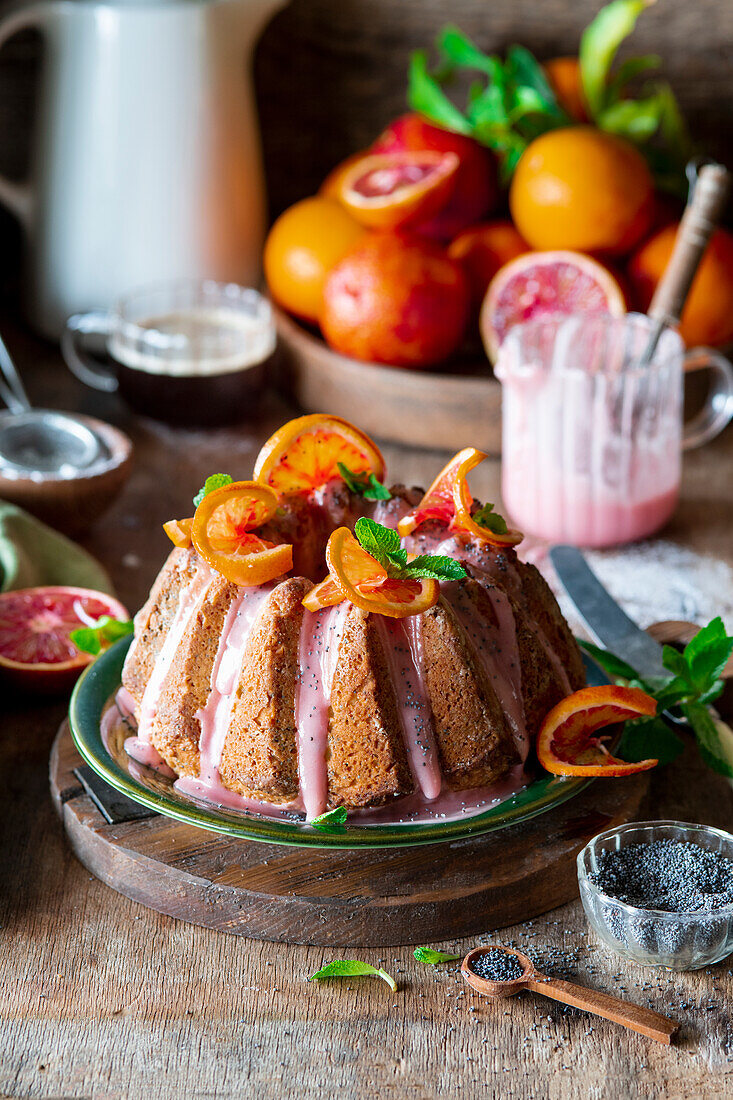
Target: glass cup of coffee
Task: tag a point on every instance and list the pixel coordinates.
(192, 352)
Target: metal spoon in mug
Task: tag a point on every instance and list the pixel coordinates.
(39, 441)
(643, 1020)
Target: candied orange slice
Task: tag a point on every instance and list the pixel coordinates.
(565, 743)
(364, 582)
(304, 454)
(224, 534)
(325, 594)
(449, 501)
(179, 532)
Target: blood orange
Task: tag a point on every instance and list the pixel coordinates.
(540, 284)
(389, 190)
(36, 652)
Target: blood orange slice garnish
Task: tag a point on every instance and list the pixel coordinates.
(304, 454)
(566, 744)
(449, 501)
(390, 190)
(542, 284)
(36, 651)
(224, 533)
(359, 578)
(179, 532)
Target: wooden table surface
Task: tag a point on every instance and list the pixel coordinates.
(102, 998)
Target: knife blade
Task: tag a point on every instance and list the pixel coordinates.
(608, 625)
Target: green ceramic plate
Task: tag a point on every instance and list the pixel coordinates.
(102, 679)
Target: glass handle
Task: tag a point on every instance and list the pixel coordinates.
(87, 368)
(717, 412)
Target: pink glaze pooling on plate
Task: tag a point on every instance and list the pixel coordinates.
(402, 640)
(320, 638)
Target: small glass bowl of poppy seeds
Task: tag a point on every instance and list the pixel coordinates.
(661, 892)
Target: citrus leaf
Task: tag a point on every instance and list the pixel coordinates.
(425, 95)
(457, 48)
(598, 47)
(634, 119)
(627, 71)
(353, 968)
(215, 481)
(431, 958)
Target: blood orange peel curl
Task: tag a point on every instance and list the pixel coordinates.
(566, 744)
(224, 534)
(449, 501)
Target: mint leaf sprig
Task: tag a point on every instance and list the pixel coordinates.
(353, 968)
(215, 481)
(364, 485)
(93, 639)
(693, 684)
(431, 958)
(491, 520)
(384, 545)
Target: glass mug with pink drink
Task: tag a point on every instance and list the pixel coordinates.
(592, 439)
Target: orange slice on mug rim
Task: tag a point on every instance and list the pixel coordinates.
(304, 454)
(566, 744)
(224, 534)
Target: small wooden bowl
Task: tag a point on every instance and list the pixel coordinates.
(72, 504)
(422, 408)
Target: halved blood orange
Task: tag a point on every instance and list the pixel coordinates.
(540, 284)
(304, 454)
(223, 532)
(393, 190)
(179, 532)
(565, 743)
(365, 583)
(36, 652)
(449, 501)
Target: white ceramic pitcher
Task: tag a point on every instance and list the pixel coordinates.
(146, 161)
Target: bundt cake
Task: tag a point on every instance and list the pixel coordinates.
(254, 698)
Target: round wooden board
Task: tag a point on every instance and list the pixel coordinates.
(416, 407)
(339, 898)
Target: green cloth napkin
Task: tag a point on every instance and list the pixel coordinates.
(32, 553)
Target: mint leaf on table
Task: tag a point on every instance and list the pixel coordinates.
(336, 816)
(491, 520)
(353, 968)
(437, 566)
(93, 639)
(215, 481)
(364, 485)
(431, 958)
(707, 654)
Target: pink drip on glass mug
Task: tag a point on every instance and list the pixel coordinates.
(591, 440)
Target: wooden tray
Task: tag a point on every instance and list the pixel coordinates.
(338, 898)
(416, 407)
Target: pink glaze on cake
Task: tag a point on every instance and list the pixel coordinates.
(320, 638)
(404, 648)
